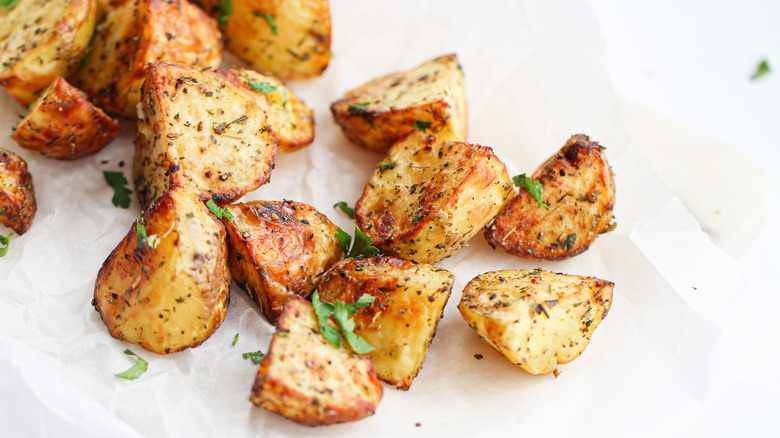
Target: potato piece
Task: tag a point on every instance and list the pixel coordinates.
(579, 191)
(63, 124)
(289, 39)
(40, 40)
(290, 119)
(171, 296)
(308, 380)
(400, 324)
(196, 130)
(429, 98)
(140, 32)
(278, 250)
(17, 196)
(536, 319)
(427, 198)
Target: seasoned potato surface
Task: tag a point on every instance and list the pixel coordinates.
(427, 198)
(17, 196)
(308, 380)
(536, 319)
(400, 324)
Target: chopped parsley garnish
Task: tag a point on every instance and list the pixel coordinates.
(256, 356)
(6, 242)
(260, 87)
(270, 19)
(568, 242)
(761, 70)
(422, 125)
(533, 187)
(8, 4)
(361, 245)
(218, 211)
(136, 370)
(235, 339)
(341, 313)
(118, 182)
(346, 209)
(144, 240)
(225, 10)
(358, 105)
(610, 228)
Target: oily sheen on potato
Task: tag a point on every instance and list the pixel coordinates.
(169, 291)
(17, 195)
(536, 319)
(427, 197)
(307, 379)
(409, 299)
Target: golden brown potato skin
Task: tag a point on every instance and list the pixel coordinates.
(174, 296)
(308, 380)
(40, 40)
(17, 195)
(63, 124)
(279, 249)
(196, 130)
(579, 191)
(290, 119)
(536, 319)
(427, 198)
(400, 324)
(140, 32)
(429, 98)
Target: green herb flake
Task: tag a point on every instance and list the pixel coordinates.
(323, 312)
(141, 231)
(361, 246)
(118, 182)
(136, 370)
(235, 339)
(225, 10)
(270, 19)
(422, 125)
(345, 240)
(218, 211)
(568, 242)
(6, 242)
(358, 105)
(610, 228)
(341, 313)
(8, 4)
(761, 70)
(531, 186)
(346, 209)
(255, 356)
(260, 87)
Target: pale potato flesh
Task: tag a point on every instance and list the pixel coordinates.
(17, 195)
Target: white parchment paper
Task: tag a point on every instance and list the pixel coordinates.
(683, 351)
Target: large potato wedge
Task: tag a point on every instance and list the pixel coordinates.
(579, 192)
(400, 324)
(172, 292)
(63, 124)
(307, 379)
(140, 32)
(196, 130)
(40, 40)
(429, 98)
(279, 249)
(290, 119)
(536, 319)
(427, 198)
(17, 195)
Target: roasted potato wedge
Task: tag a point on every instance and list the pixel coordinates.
(63, 124)
(429, 98)
(307, 379)
(400, 324)
(536, 319)
(279, 249)
(579, 192)
(17, 196)
(40, 40)
(196, 130)
(427, 198)
(290, 119)
(169, 291)
(289, 39)
(140, 32)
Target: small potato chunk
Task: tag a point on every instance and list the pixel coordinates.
(307, 379)
(40, 40)
(429, 98)
(17, 196)
(196, 130)
(400, 324)
(427, 198)
(579, 191)
(140, 32)
(290, 119)
(63, 124)
(536, 319)
(278, 250)
(170, 293)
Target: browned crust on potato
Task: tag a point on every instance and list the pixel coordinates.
(17, 195)
(579, 191)
(279, 249)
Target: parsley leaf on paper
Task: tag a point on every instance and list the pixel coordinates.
(118, 182)
(349, 211)
(341, 313)
(361, 246)
(255, 356)
(533, 187)
(218, 211)
(136, 370)
(6, 242)
(270, 19)
(761, 70)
